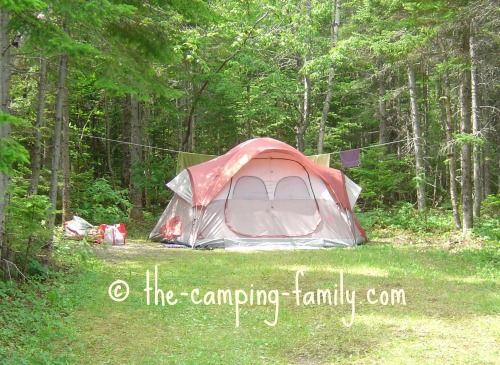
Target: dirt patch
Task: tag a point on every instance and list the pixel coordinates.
(136, 250)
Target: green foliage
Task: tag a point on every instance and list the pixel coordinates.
(36, 325)
(26, 223)
(491, 206)
(6, 118)
(487, 226)
(383, 177)
(151, 176)
(23, 5)
(469, 138)
(486, 260)
(11, 151)
(404, 216)
(100, 203)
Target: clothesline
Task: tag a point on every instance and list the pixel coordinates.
(380, 144)
(128, 143)
(177, 151)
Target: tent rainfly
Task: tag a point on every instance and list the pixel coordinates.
(262, 194)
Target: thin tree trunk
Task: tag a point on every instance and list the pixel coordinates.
(126, 135)
(488, 150)
(382, 136)
(109, 160)
(192, 136)
(498, 156)
(331, 75)
(56, 150)
(37, 152)
(450, 148)
(136, 212)
(466, 129)
(425, 99)
(305, 119)
(249, 123)
(66, 162)
(147, 153)
(5, 73)
(476, 127)
(419, 153)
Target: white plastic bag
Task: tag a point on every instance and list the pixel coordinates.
(114, 234)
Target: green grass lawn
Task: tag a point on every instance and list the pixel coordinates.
(412, 305)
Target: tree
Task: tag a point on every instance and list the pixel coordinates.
(331, 74)
(37, 150)
(136, 212)
(56, 146)
(476, 127)
(450, 143)
(4, 108)
(304, 118)
(417, 135)
(466, 130)
(382, 131)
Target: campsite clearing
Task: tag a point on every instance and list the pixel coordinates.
(450, 315)
(375, 303)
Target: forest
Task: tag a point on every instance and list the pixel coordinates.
(98, 97)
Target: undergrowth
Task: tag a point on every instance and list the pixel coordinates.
(36, 325)
(437, 222)
(405, 216)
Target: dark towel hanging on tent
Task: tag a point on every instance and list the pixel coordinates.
(350, 158)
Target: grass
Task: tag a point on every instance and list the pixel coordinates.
(451, 315)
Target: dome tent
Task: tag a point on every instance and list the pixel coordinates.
(262, 194)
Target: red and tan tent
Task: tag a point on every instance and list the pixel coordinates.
(262, 194)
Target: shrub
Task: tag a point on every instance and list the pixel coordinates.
(487, 226)
(381, 188)
(100, 203)
(26, 229)
(404, 216)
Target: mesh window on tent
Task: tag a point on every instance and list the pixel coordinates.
(250, 187)
(291, 187)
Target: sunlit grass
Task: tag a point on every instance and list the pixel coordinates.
(449, 315)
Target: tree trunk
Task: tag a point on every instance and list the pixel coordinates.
(305, 119)
(382, 136)
(192, 135)
(450, 148)
(37, 152)
(476, 127)
(4, 106)
(66, 162)
(425, 100)
(498, 157)
(136, 213)
(329, 88)
(56, 150)
(126, 135)
(419, 153)
(466, 129)
(109, 159)
(147, 153)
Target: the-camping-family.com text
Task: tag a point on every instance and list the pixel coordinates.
(156, 294)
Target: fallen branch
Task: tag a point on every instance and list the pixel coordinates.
(19, 271)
